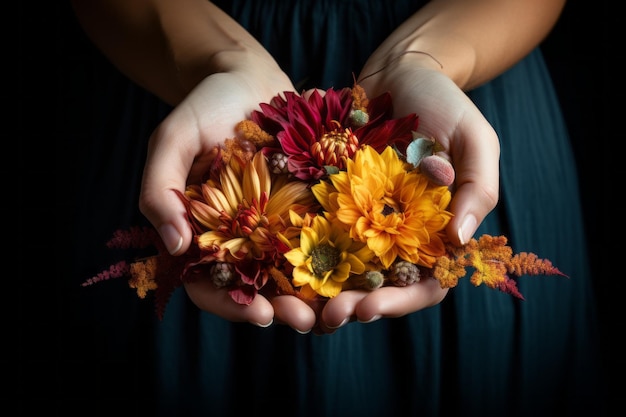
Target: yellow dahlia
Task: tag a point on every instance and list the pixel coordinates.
(386, 204)
(326, 257)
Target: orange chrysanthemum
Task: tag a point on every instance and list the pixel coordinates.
(239, 214)
(396, 211)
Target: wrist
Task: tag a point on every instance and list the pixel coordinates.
(450, 55)
(246, 61)
(383, 74)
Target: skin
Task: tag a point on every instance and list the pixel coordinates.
(196, 58)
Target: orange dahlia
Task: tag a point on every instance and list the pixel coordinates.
(389, 206)
(237, 215)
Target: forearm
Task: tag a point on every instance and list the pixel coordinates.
(167, 46)
(474, 41)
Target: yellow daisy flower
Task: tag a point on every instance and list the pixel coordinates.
(326, 257)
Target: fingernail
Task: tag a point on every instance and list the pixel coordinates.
(302, 331)
(373, 319)
(467, 229)
(339, 325)
(171, 238)
(264, 325)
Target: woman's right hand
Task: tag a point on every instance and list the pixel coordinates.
(181, 151)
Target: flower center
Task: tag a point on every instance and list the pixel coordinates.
(247, 218)
(387, 210)
(324, 258)
(334, 147)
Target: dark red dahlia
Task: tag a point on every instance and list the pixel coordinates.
(322, 131)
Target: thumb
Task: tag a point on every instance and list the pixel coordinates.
(165, 172)
(471, 204)
(164, 209)
(476, 188)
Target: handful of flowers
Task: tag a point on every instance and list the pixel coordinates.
(319, 195)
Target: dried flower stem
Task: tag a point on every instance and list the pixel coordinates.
(282, 282)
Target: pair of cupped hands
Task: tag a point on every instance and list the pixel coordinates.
(180, 151)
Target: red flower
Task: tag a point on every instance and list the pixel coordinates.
(322, 131)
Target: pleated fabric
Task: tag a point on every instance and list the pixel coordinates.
(479, 353)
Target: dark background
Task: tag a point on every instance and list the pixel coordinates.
(583, 52)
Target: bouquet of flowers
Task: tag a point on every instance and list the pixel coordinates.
(318, 195)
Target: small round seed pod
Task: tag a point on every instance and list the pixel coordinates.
(438, 170)
(367, 281)
(359, 118)
(278, 163)
(403, 273)
(222, 274)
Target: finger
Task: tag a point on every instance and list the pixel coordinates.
(166, 169)
(340, 310)
(307, 93)
(393, 301)
(293, 312)
(217, 301)
(476, 188)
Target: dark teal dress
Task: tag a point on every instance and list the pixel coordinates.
(478, 353)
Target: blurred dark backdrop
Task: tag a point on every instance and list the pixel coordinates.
(583, 52)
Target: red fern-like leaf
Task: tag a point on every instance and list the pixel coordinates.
(134, 238)
(509, 286)
(526, 263)
(117, 270)
(162, 296)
